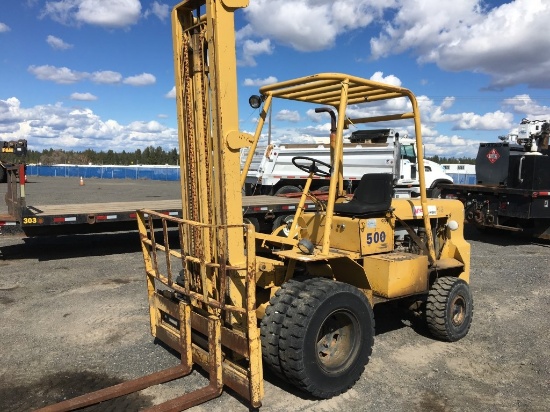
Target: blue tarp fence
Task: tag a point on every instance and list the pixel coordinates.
(463, 179)
(107, 172)
(150, 172)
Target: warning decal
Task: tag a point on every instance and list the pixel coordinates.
(493, 155)
(432, 211)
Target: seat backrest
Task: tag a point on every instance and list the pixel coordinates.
(373, 195)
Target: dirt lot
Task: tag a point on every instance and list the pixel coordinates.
(74, 318)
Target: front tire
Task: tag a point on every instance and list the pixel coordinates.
(326, 337)
(449, 309)
(272, 322)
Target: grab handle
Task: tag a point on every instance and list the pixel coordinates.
(520, 165)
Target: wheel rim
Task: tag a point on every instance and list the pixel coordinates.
(338, 341)
(288, 226)
(458, 310)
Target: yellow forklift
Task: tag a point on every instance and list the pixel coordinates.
(233, 300)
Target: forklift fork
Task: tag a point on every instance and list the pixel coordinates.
(191, 321)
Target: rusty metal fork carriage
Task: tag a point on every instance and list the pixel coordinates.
(191, 317)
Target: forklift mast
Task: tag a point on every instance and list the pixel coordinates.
(209, 141)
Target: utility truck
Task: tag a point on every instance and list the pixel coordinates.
(512, 189)
(271, 171)
(234, 301)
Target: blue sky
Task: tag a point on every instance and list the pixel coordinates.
(78, 74)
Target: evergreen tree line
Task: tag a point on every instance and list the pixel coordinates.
(149, 156)
(452, 160)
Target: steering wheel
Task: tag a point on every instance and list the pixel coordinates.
(312, 166)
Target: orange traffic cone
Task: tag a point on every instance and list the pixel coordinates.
(81, 181)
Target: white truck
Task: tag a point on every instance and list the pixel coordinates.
(369, 151)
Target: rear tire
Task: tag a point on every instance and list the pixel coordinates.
(449, 309)
(326, 338)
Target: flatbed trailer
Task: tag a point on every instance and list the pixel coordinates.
(524, 211)
(86, 217)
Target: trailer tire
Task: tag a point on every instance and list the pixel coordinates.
(271, 323)
(435, 191)
(283, 220)
(449, 309)
(287, 189)
(253, 221)
(326, 337)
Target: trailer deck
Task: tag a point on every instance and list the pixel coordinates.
(57, 205)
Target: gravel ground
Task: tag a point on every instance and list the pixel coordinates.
(74, 318)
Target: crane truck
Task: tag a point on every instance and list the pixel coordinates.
(512, 190)
(234, 301)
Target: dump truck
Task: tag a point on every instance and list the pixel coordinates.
(512, 188)
(366, 151)
(234, 301)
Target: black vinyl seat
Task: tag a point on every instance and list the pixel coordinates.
(372, 196)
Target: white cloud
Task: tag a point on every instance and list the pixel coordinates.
(10, 111)
(162, 11)
(61, 75)
(57, 43)
(390, 79)
(252, 49)
(64, 75)
(146, 127)
(144, 79)
(504, 42)
(450, 146)
(316, 117)
(260, 82)
(171, 94)
(309, 25)
(4, 27)
(56, 126)
(288, 115)
(106, 77)
(83, 97)
(489, 121)
(523, 104)
(107, 14)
